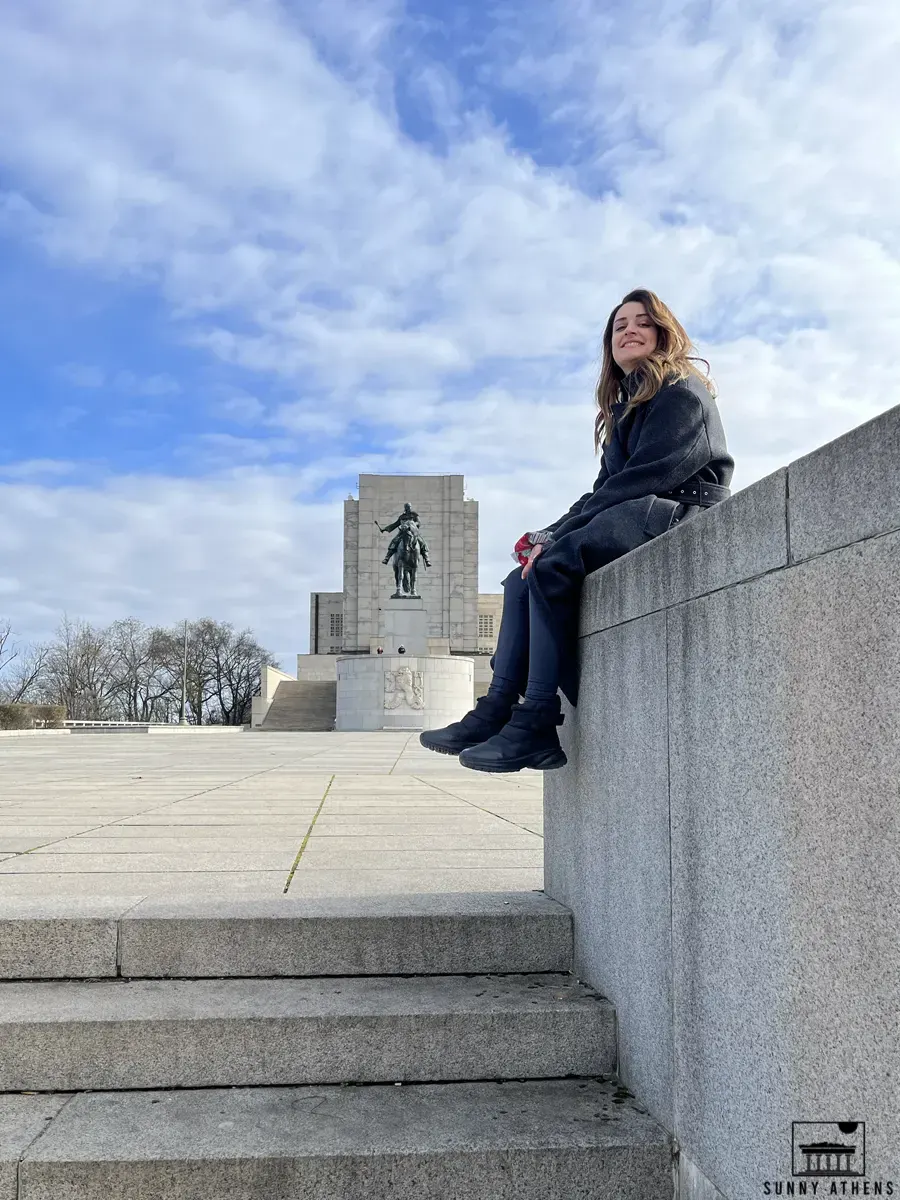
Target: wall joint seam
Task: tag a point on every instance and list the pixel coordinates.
(673, 1022)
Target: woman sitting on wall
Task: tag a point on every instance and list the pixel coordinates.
(664, 458)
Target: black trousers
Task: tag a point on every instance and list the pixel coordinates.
(527, 652)
(538, 638)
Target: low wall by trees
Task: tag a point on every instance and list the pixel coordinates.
(128, 671)
(727, 832)
(32, 716)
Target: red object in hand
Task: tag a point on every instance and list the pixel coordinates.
(523, 549)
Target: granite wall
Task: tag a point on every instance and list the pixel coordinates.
(727, 832)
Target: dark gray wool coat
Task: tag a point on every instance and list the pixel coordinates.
(664, 455)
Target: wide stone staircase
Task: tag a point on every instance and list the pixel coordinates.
(432, 1047)
(304, 705)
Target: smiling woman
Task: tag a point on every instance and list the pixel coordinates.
(641, 332)
(664, 458)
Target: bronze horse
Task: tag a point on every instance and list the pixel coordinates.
(406, 545)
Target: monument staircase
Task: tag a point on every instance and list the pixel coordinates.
(305, 705)
(432, 1046)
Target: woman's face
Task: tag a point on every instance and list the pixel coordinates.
(634, 335)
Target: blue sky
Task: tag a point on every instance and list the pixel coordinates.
(249, 250)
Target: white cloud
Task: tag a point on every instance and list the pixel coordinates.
(770, 129)
(245, 176)
(149, 385)
(215, 451)
(306, 418)
(81, 375)
(36, 468)
(234, 404)
(246, 546)
(245, 162)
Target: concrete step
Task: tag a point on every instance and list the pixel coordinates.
(120, 1034)
(428, 934)
(548, 1140)
(304, 705)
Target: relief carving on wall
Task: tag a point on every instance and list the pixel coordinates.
(404, 688)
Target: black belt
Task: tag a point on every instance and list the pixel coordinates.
(698, 491)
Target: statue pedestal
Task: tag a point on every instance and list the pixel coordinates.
(415, 690)
(403, 691)
(402, 622)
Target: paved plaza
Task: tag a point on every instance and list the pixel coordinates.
(228, 813)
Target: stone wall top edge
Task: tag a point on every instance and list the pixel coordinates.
(868, 432)
(729, 543)
(367, 480)
(847, 490)
(797, 564)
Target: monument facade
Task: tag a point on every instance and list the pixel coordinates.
(449, 588)
(453, 617)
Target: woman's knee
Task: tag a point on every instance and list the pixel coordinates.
(514, 584)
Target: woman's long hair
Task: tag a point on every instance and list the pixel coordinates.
(672, 359)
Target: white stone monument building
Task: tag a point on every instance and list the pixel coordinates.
(357, 620)
(354, 676)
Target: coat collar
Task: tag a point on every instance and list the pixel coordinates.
(627, 387)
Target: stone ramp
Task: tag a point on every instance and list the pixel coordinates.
(305, 705)
(283, 1083)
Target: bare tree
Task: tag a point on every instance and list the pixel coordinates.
(238, 663)
(144, 677)
(223, 671)
(7, 646)
(132, 672)
(80, 673)
(20, 669)
(195, 665)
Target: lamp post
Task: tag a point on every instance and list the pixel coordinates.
(183, 718)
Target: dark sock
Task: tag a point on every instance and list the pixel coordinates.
(540, 694)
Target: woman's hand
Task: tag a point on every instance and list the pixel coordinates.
(531, 559)
(522, 549)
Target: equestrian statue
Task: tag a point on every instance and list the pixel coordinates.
(406, 546)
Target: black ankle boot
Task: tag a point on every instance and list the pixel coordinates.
(488, 717)
(529, 739)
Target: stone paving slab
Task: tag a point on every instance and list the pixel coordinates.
(144, 883)
(176, 821)
(242, 815)
(16, 843)
(183, 841)
(430, 841)
(320, 855)
(41, 862)
(311, 882)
